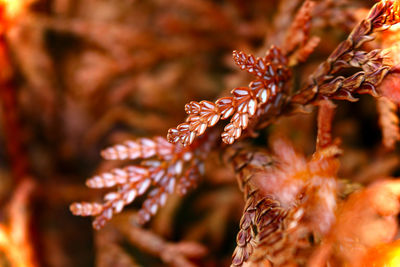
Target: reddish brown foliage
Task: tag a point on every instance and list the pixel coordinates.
(247, 103)
(290, 201)
(78, 76)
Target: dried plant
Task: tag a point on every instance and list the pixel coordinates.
(258, 99)
(263, 94)
(173, 168)
(287, 199)
(322, 82)
(281, 183)
(290, 202)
